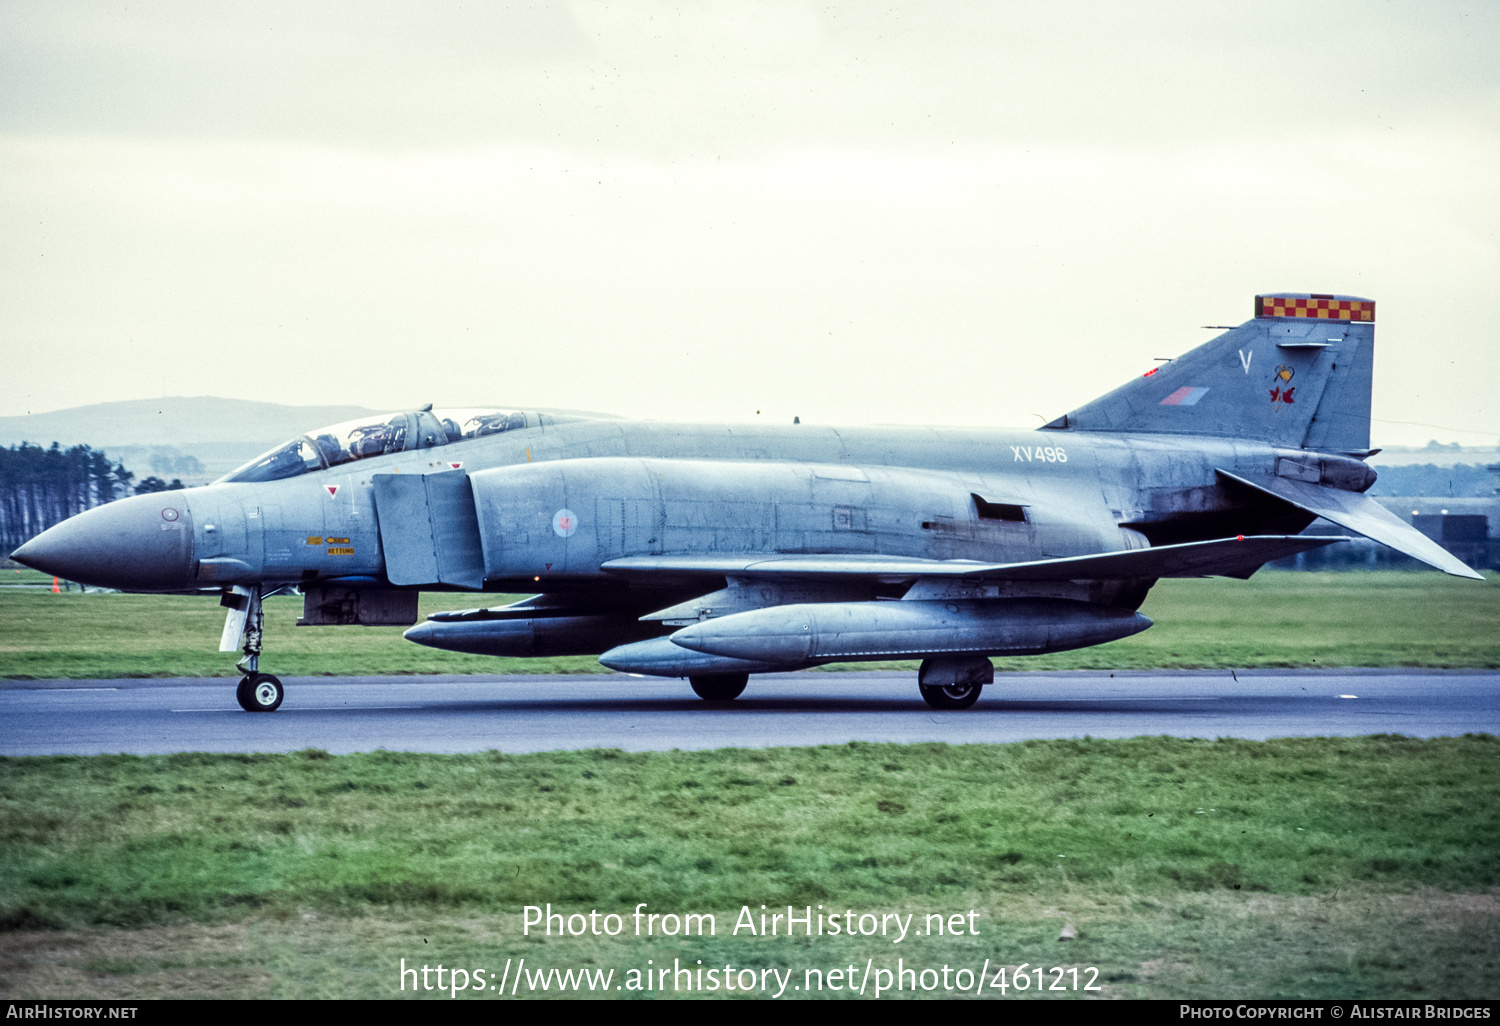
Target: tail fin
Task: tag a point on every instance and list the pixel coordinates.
(1298, 375)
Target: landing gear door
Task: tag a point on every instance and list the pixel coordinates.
(429, 529)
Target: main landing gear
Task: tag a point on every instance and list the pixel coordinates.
(951, 696)
(719, 687)
(257, 692)
(954, 682)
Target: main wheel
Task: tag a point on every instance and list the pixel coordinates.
(260, 692)
(950, 696)
(719, 687)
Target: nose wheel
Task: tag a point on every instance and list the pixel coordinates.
(259, 692)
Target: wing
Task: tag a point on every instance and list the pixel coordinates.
(1229, 557)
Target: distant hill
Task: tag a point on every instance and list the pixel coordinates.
(177, 421)
(1435, 453)
(196, 439)
(1456, 480)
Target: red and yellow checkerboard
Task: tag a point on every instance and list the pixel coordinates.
(1316, 307)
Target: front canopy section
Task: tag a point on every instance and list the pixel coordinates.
(380, 435)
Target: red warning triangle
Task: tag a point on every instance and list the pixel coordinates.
(332, 489)
(456, 466)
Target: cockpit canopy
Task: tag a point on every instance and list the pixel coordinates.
(378, 436)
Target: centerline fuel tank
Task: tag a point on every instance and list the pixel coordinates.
(798, 635)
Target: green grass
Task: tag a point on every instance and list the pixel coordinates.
(1321, 867)
(14, 573)
(1359, 943)
(126, 840)
(1274, 619)
(99, 635)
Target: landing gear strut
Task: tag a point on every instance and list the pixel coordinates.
(954, 682)
(257, 692)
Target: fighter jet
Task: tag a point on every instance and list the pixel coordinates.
(718, 552)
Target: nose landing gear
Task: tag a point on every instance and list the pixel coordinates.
(257, 692)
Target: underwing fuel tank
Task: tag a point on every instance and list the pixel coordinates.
(532, 636)
(820, 632)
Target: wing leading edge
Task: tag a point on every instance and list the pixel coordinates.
(1229, 557)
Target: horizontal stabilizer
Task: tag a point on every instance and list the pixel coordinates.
(1363, 515)
(1230, 557)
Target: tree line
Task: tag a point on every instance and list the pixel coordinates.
(1456, 480)
(42, 487)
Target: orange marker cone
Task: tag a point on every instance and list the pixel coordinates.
(55, 589)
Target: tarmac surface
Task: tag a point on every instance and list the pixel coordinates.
(546, 713)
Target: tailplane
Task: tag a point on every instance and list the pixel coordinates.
(1297, 375)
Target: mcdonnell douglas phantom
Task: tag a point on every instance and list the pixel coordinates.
(716, 552)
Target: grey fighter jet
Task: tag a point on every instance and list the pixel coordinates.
(717, 552)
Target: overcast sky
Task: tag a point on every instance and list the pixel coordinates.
(926, 212)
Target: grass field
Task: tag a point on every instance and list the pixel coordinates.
(1316, 867)
(1274, 619)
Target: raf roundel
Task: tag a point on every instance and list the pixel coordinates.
(564, 523)
(169, 514)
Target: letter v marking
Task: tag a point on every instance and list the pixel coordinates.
(1245, 359)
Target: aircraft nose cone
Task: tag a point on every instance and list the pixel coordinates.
(143, 543)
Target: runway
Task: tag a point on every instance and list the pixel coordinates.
(536, 713)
